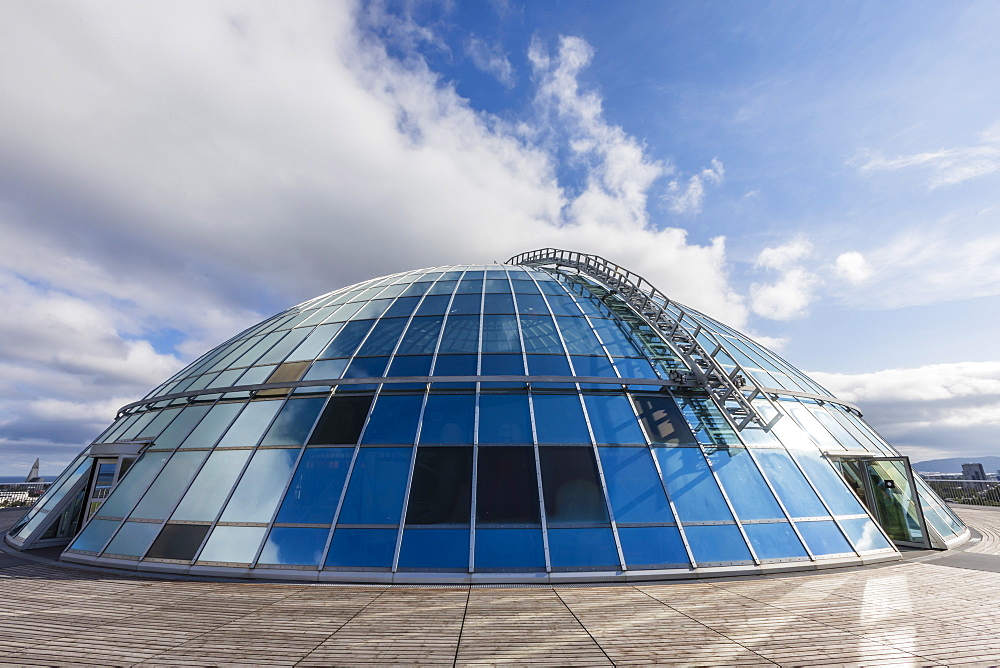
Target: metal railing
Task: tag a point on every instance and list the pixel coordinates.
(972, 492)
(733, 391)
(21, 494)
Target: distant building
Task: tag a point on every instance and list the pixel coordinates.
(973, 472)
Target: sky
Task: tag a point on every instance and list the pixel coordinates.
(822, 176)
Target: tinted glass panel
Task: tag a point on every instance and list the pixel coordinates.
(342, 420)
(540, 335)
(500, 334)
(402, 307)
(563, 305)
(294, 546)
(383, 339)
(348, 340)
(251, 423)
(465, 304)
(548, 365)
(449, 418)
(294, 422)
(824, 538)
(829, 483)
(634, 486)
(314, 492)
(435, 549)
(635, 368)
(662, 420)
(97, 533)
(498, 303)
(139, 476)
(455, 365)
(717, 543)
(421, 336)
(612, 419)
(210, 489)
(317, 341)
(434, 305)
(357, 548)
(583, 549)
(394, 419)
(502, 365)
(504, 418)
(261, 487)
(559, 419)
(178, 541)
(508, 549)
(172, 481)
(774, 541)
(692, 488)
(743, 483)
(418, 365)
(180, 427)
(571, 486)
(579, 337)
(133, 539)
(652, 547)
(366, 367)
(461, 334)
(378, 483)
(865, 535)
(441, 487)
(507, 486)
(795, 492)
(233, 544)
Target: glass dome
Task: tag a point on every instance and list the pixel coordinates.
(519, 423)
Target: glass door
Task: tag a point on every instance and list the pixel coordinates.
(885, 485)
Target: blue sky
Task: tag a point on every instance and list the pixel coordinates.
(823, 176)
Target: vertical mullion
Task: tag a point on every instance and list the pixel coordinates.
(538, 476)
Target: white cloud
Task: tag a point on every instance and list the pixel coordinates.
(785, 256)
(947, 166)
(490, 58)
(789, 296)
(688, 199)
(853, 268)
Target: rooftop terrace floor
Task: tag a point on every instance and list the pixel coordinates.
(933, 609)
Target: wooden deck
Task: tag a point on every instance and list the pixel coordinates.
(938, 609)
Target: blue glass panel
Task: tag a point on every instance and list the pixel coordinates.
(324, 369)
(864, 534)
(402, 307)
(830, 484)
(798, 497)
(135, 482)
(500, 334)
(634, 486)
(261, 487)
(497, 285)
(443, 288)
(540, 335)
(824, 537)
(652, 547)
(434, 549)
(615, 339)
(421, 336)
(133, 539)
(508, 549)
(774, 541)
(612, 419)
(591, 306)
(455, 365)
(378, 483)
(294, 546)
(233, 544)
(593, 366)
(449, 418)
(95, 535)
(579, 336)
(362, 548)
(548, 365)
(416, 365)
(180, 427)
(470, 284)
(465, 304)
(498, 303)
(504, 418)
(383, 338)
(393, 420)
(583, 549)
(348, 339)
(746, 488)
(344, 312)
(692, 488)
(416, 289)
(281, 349)
(372, 309)
(171, 482)
(159, 423)
(523, 285)
(461, 334)
(571, 486)
(256, 375)
(434, 305)
(294, 422)
(209, 490)
(721, 542)
(502, 365)
(635, 368)
(251, 423)
(531, 304)
(366, 367)
(559, 419)
(314, 492)
(563, 305)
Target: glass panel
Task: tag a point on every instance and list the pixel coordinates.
(615, 339)
(362, 548)
(210, 489)
(233, 544)
(421, 336)
(342, 420)
(372, 309)
(634, 486)
(774, 540)
(434, 305)
(593, 366)
(455, 365)
(502, 365)
(507, 487)
(612, 419)
(319, 339)
(498, 303)
(294, 546)
(251, 423)
(461, 334)
(635, 368)
(531, 304)
(500, 334)
(571, 486)
(180, 427)
(449, 418)
(284, 346)
(348, 340)
(434, 549)
(383, 339)
(178, 541)
(294, 422)
(366, 367)
(652, 547)
(714, 543)
(829, 483)
(465, 304)
(548, 365)
(583, 549)
(865, 535)
(130, 487)
(824, 538)
(166, 490)
(504, 418)
(159, 423)
(559, 419)
(579, 337)
(563, 305)
(540, 335)
(441, 486)
(261, 487)
(798, 497)
(402, 307)
(95, 535)
(378, 483)
(509, 549)
(418, 365)
(394, 419)
(133, 539)
(895, 501)
(314, 492)
(745, 486)
(692, 488)
(663, 420)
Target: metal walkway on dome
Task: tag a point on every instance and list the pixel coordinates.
(734, 391)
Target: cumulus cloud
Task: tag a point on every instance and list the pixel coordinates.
(938, 410)
(785, 256)
(788, 297)
(170, 175)
(490, 58)
(688, 199)
(853, 268)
